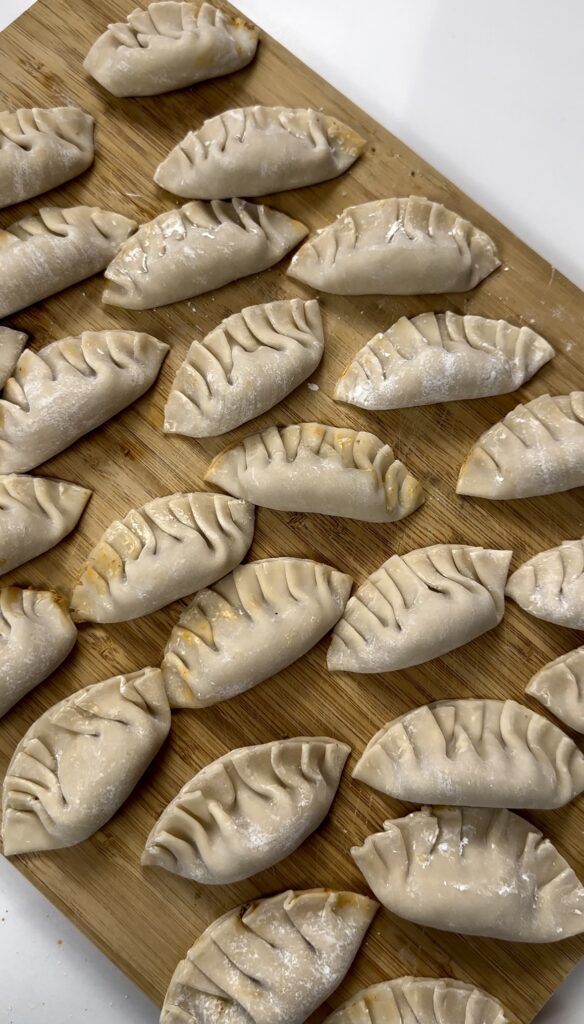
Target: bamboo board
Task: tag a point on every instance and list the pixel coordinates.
(145, 919)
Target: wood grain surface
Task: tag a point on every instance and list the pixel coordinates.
(146, 919)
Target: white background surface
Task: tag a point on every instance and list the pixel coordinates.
(493, 95)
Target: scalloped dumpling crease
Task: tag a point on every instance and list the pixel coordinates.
(41, 148)
(404, 246)
(276, 959)
(482, 753)
(310, 467)
(270, 612)
(197, 248)
(441, 357)
(420, 1001)
(253, 151)
(244, 367)
(54, 248)
(550, 585)
(158, 553)
(35, 514)
(80, 761)
(11, 346)
(474, 871)
(559, 686)
(247, 810)
(169, 46)
(36, 635)
(419, 606)
(538, 448)
(70, 387)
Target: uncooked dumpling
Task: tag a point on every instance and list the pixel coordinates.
(197, 248)
(550, 585)
(419, 606)
(252, 151)
(250, 625)
(77, 764)
(559, 686)
(420, 1001)
(247, 810)
(53, 249)
(161, 552)
(42, 148)
(35, 514)
(243, 367)
(169, 46)
(396, 247)
(309, 467)
(441, 357)
(11, 345)
(70, 387)
(481, 753)
(538, 448)
(36, 635)
(273, 960)
(474, 871)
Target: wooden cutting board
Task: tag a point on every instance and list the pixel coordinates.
(143, 919)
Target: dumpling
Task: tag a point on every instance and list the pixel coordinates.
(156, 554)
(396, 247)
(482, 753)
(441, 357)
(197, 248)
(270, 612)
(80, 760)
(252, 151)
(275, 959)
(53, 249)
(309, 467)
(473, 871)
(70, 387)
(247, 810)
(550, 585)
(559, 686)
(246, 365)
(42, 148)
(36, 635)
(419, 606)
(11, 345)
(420, 1001)
(169, 46)
(35, 514)
(538, 448)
